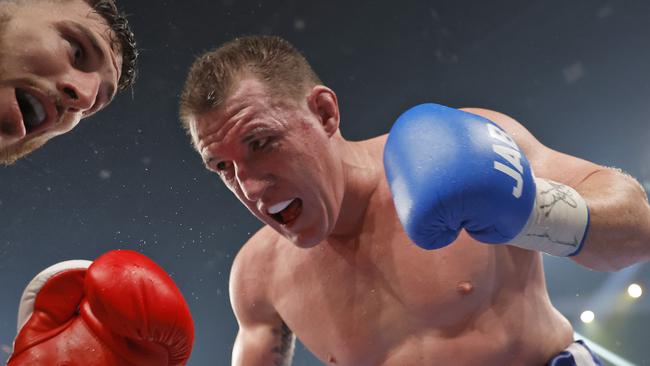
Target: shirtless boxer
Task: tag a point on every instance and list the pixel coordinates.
(60, 61)
(334, 264)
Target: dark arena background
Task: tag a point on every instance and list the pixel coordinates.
(575, 73)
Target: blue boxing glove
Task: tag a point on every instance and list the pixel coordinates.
(450, 170)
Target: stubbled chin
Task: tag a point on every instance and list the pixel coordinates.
(300, 239)
(10, 154)
(304, 240)
(296, 238)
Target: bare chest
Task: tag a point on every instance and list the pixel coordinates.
(348, 299)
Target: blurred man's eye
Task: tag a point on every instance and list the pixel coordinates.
(78, 53)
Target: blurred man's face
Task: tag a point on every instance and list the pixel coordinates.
(56, 67)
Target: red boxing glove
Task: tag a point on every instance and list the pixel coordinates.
(123, 309)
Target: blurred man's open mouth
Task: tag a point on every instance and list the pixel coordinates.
(286, 212)
(33, 111)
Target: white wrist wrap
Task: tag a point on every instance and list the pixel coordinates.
(558, 223)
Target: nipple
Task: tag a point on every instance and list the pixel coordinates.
(464, 287)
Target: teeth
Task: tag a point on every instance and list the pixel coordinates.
(279, 206)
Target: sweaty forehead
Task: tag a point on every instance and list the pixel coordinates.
(248, 99)
(212, 125)
(247, 96)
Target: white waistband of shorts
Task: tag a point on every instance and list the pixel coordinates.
(581, 355)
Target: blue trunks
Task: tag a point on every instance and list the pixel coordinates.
(577, 354)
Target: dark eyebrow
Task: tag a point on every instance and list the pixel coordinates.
(90, 36)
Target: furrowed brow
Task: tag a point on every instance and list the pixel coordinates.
(254, 132)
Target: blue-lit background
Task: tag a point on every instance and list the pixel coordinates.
(575, 73)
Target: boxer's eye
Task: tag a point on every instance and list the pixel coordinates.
(225, 171)
(222, 166)
(259, 144)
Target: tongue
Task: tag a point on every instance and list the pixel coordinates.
(292, 211)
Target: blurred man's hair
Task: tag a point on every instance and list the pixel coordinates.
(270, 59)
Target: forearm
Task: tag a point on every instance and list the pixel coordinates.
(619, 228)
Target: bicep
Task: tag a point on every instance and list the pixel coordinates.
(545, 162)
(263, 338)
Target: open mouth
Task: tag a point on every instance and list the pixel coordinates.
(286, 212)
(32, 109)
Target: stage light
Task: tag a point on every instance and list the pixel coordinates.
(635, 291)
(587, 316)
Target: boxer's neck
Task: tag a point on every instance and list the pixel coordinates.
(361, 165)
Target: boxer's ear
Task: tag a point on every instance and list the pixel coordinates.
(323, 103)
